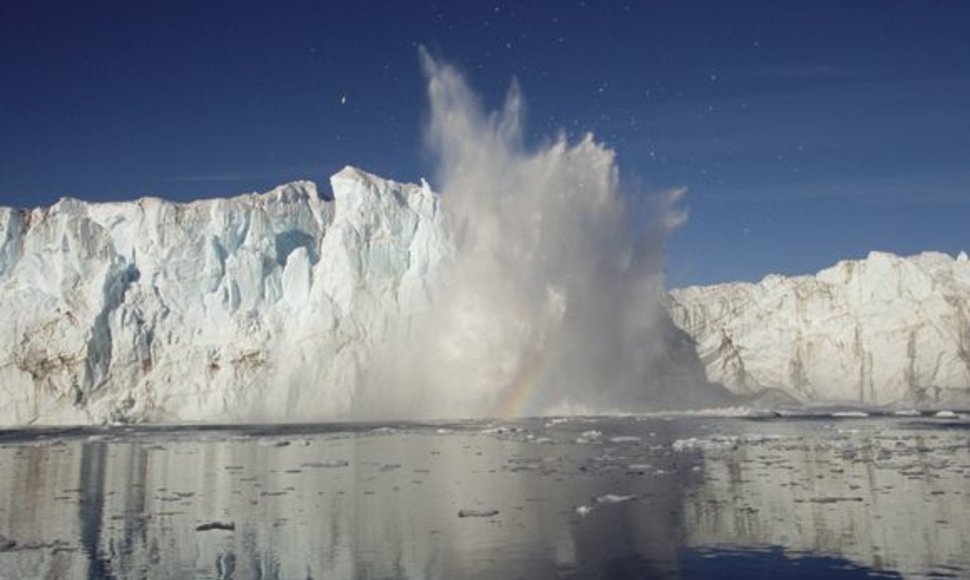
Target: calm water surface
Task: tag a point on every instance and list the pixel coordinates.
(642, 497)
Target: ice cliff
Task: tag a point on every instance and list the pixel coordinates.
(882, 330)
(278, 306)
(291, 305)
(159, 311)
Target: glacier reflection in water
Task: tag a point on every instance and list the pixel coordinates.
(636, 497)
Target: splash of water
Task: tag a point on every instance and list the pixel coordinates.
(552, 298)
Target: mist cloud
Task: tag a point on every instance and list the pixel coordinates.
(551, 299)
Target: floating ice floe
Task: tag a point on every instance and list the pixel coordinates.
(625, 439)
(722, 442)
(503, 430)
(706, 444)
(734, 411)
(590, 436)
(611, 498)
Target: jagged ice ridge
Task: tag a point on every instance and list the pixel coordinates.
(262, 306)
(882, 330)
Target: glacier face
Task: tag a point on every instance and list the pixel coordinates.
(280, 306)
(216, 309)
(881, 330)
(292, 305)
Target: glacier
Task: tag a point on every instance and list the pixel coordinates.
(292, 305)
(884, 330)
(278, 306)
(223, 309)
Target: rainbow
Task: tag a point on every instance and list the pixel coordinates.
(514, 401)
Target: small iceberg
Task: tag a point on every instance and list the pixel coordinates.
(625, 439)
(611, 498)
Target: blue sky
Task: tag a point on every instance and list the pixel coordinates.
(806, 132)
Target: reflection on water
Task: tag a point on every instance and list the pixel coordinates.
(624, 498)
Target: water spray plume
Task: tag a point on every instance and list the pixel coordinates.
(551, 297)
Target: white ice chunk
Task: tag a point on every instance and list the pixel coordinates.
(611, 498)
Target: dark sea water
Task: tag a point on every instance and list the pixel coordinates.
(632, 497)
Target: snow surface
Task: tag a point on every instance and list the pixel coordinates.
(882, 330)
